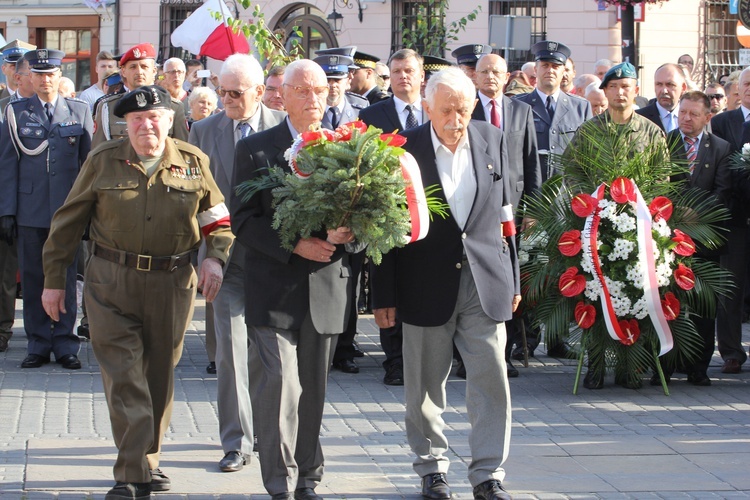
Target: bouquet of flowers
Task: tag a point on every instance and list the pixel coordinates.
(613, 264)
(355, 176)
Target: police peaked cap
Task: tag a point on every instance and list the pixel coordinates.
(468, 55)
(547, 50)
(44, 60)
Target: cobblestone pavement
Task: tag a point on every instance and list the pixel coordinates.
(614, 443)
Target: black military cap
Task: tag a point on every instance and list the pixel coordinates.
(619, 72)
(547, 50)
(336, 67)
(363, 60)
(468, 55)
(13, 51)
(143, 99)
(434, 64)
(44, 60)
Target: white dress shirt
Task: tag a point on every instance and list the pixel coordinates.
(456, 171)
(487, 106)
(253, 121)
(402, 113)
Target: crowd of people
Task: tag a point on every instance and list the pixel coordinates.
(135, 179)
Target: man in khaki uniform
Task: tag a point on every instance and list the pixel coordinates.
(149, 201)
(137, 68)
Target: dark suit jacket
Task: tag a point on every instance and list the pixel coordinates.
(214, 135)
(384, 116)
(376, 95)
(281, 287)
(524, 171)
(421, 279)
(652, 113)
(730, 126)
(554, 135)
(712, 164)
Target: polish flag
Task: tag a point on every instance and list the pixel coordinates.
(201, 33)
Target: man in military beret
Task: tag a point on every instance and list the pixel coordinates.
(43, 143)
(365, 81)
(149, 201)
(466, 57)
(137, 68)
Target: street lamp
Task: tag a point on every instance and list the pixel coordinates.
(335, 20)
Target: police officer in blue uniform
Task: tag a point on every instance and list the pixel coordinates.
(466, 57)
(44, 140)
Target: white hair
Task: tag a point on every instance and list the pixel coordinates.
(174, 61)
(528, 66)
(585, 80)
(603, 62)
(303, 65)
(593, 88)
(454, 79)
(201, 92)
(245, 67)
(66, 87)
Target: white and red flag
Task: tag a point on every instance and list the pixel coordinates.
(201, 33)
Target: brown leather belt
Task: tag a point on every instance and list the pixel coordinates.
(143, 262)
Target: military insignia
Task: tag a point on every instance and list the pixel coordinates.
(618, 72)
(72, 140)
(155, 96)
(42, 54)
(333, 60)
(477, 49)
(26, 131)
(140, 100)
(552, 46)
(38, 132)
(137, 53)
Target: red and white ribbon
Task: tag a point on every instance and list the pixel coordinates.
(416, 200)
(507, 220)
(214, 217)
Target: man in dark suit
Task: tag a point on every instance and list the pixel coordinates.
(459, 284)
(516, 121)
(557, 116)
(402, 111)
(296, 302)
(43, 143)
(730, 126)
(669, 85)
(216, 136)
(365, 79)
(708, 161)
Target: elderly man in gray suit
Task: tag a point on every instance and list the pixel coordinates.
(459, 284)
(297, 301)
(241, 89)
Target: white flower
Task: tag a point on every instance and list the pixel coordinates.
(746, 150)
(662, 228)
(663, 273)
(593, 289)
(639, 309)
(587, 265)
(625, 223)
(635, 274)
(622, 249)
(523, 256)
(621, 305)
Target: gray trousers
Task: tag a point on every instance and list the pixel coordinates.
(8, 269)
(237, 365)
(428, 354)
(289, 398)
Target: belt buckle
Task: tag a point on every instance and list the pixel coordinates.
(147, 267)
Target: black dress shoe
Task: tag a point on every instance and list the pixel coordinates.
(561, 350)
(358, 352)
(512, 370)
(394, 375)
(699, 379)
(232, 461)
(435, 486)
(160, 481)
(34, 361)
(70, 362)
(591, 381)
(346, 366)
(129, 491)
(491, 490)
(306, 494)
(211, 368)
(517, 354)
(83, 331)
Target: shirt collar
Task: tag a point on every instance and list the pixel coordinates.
(745, 112)
(485, 100)
(543, 96)
(697, 139)
(253, 121)
(663, 112)
(401, 105)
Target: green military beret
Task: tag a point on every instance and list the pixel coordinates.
(618, 72)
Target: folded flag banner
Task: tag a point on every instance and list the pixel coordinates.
(201, 33)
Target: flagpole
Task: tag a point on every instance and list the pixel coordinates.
(223, 6)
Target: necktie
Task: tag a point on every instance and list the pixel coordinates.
(48, 111)
(335, 117)
(494, 114)
(550, 109)
(245, 129)
(411, 120)
(669, 123)
(692, 152)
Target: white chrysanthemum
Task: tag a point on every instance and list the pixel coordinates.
(746, 149)
(593, 289)
(587, 265)
(621, 305)
(621, 250)
(663, 273)
(523, 256)
(635, 274)
(608, 211)
(639, 309)
(662, 228)
(625, 223)
(669, 256)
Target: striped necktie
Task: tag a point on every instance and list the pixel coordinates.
(691, 151)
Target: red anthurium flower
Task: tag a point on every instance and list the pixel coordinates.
(622, 190)
(684, 244)
(661, 208)
(393, 139)
(684, 277)
(585, 315)
(344, 132)
(671, 306)
(631, 330)
(583, 204)
(571, 283)
(569, 243)
(312, 137)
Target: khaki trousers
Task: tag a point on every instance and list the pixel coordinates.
(138, 321)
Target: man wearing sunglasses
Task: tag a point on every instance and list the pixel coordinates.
(296, 302)
(715, 92)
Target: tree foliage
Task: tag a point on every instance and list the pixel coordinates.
(428, 33)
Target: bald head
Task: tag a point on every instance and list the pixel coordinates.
(491, 75)
(669, 84)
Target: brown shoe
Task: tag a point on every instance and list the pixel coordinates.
(731, 366)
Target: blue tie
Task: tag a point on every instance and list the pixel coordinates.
(411, 120)
(245, 129)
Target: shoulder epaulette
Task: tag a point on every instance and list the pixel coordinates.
(111, 144)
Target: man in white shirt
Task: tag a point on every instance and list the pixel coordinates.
(669, 85)
(105, 64)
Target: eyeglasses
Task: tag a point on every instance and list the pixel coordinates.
(174, 72)
(495, 73)
(385, 77)
(234, 94)
(304, 92)
(716, 96)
